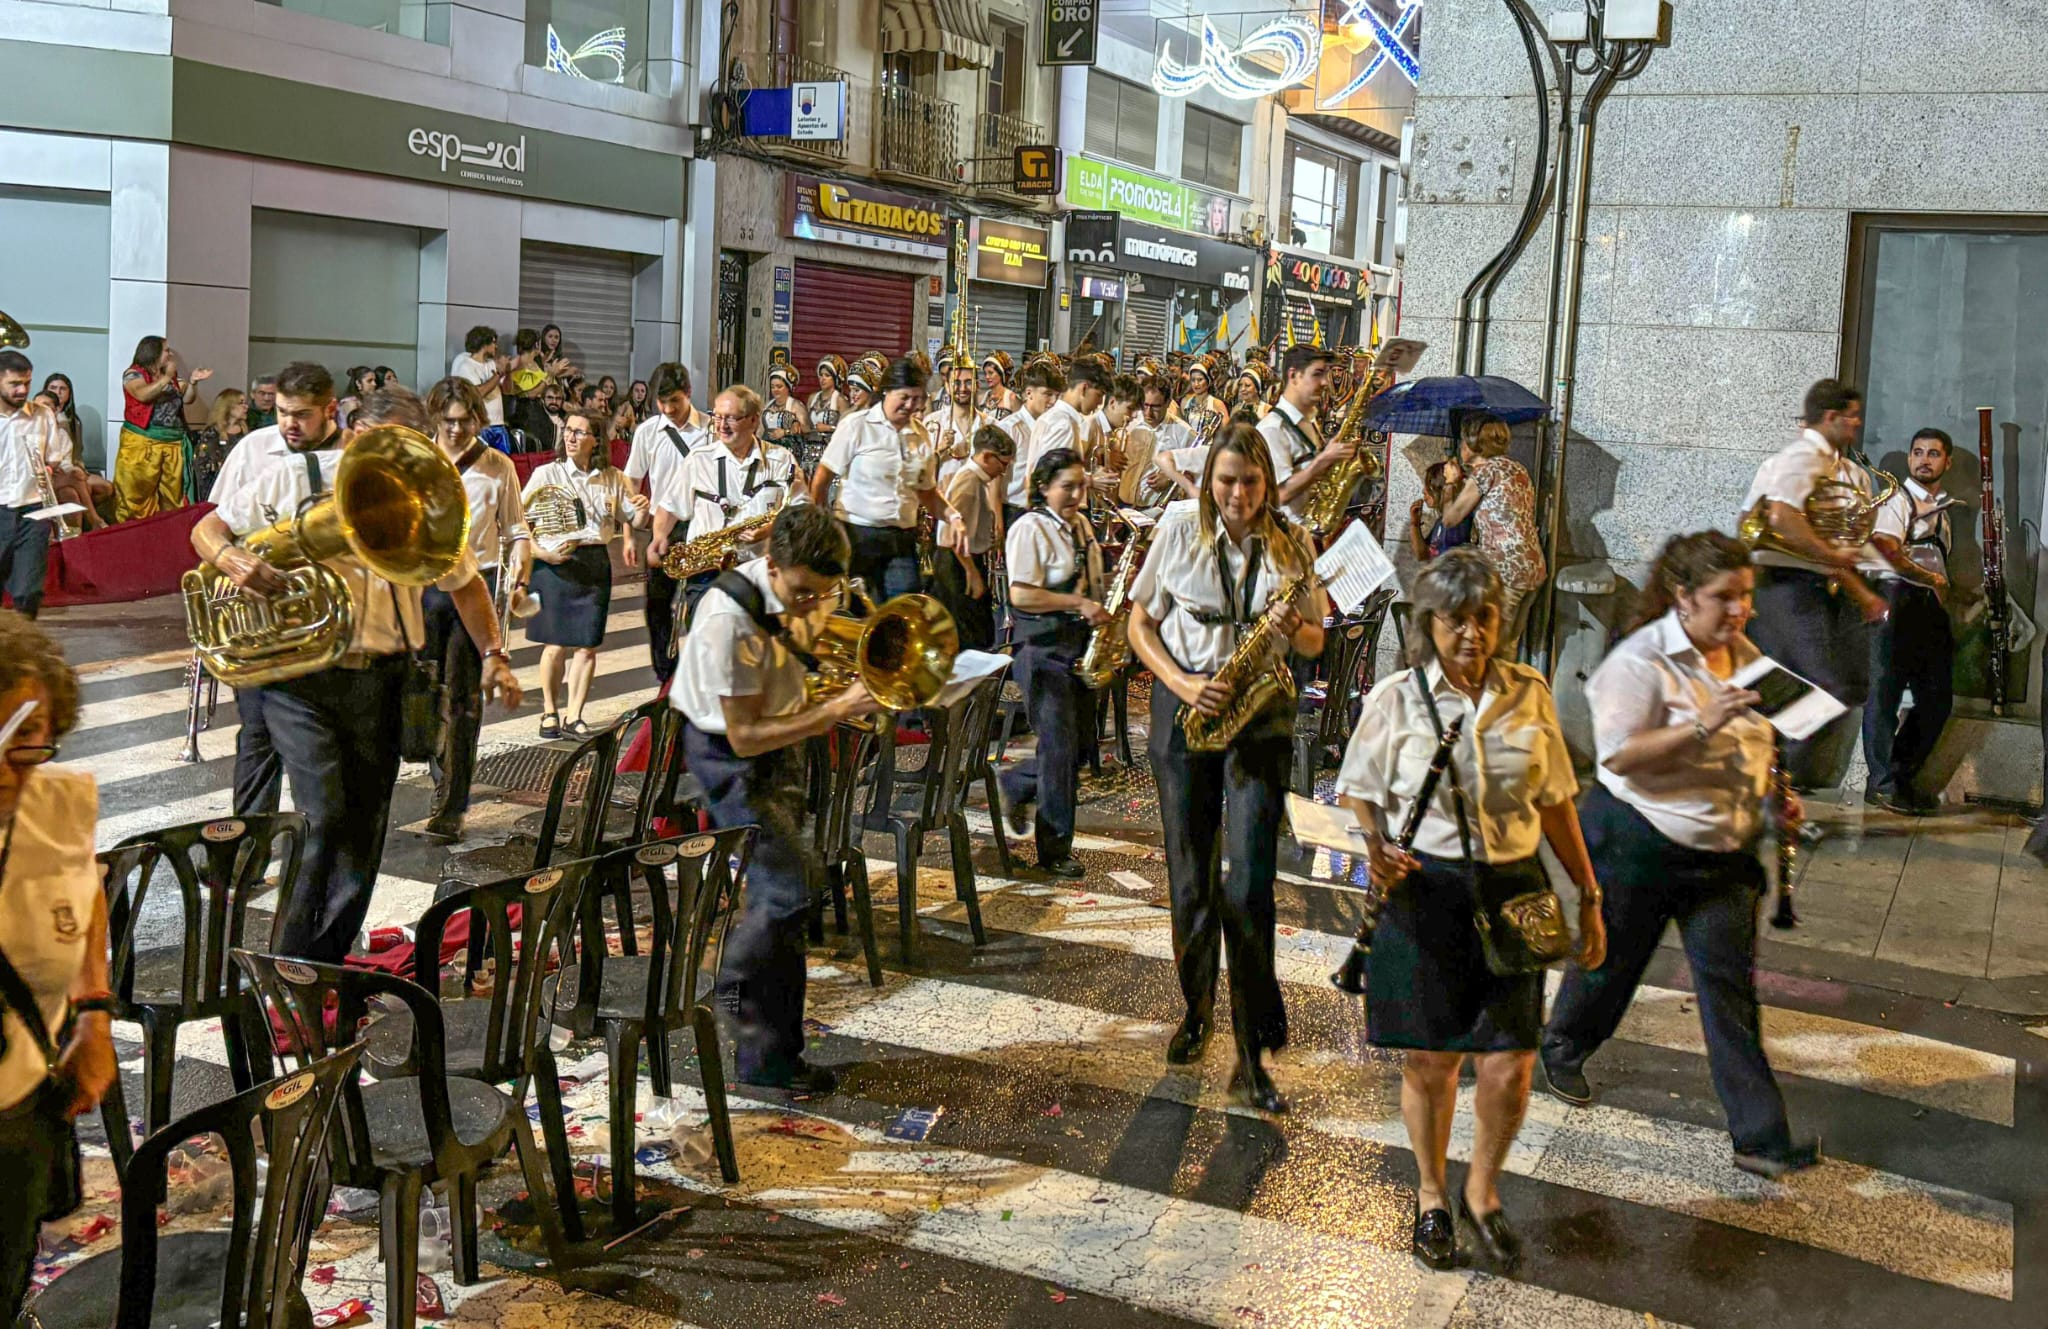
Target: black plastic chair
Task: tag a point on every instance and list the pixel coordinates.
(654, 792)
(691, 887)
(404, 1134)
(251, 1274)
(218, 868)
(1327, 712)
(482, 1033)
(583, 781)
(841, 756)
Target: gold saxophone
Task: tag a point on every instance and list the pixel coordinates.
(1329, 496)
(1252, 676)
(720, 549)
(1109, 644)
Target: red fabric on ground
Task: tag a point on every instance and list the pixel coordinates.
(131, 560)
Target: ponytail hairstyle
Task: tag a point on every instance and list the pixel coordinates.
(1686, 563)
(1048, 467)
(1283, 542)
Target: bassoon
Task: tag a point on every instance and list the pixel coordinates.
(1994, 562)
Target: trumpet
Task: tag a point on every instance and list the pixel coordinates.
(203, 697)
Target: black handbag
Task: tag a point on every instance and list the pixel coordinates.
(423, 701)
(1526, 933)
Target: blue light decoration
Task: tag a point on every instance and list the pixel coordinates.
(607, 45)
(1296, 41)
(1389, 40)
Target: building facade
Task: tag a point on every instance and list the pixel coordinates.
(1833, 192)
(354, 183)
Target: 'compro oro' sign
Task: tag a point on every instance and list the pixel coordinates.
(842, 213)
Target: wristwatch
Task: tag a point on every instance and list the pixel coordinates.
(500, 653)
(1699, 731)
(103, 1002)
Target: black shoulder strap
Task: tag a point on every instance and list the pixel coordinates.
(748, 597)
(1436, 721)
(14, 990)
(313, 481)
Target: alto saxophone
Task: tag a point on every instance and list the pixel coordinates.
(1329, 496)
(1109, 645)
(719, 549)
(1253, 679)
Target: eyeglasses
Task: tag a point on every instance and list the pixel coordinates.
(729, 419)
(1470, 626)
(572, 432)
(811, 599)
(30, 754)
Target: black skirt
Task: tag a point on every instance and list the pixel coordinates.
(575, 598)
(1428, 986)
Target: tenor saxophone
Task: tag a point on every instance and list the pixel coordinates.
(1329, 496)
(1253, 677)
(1109, 644)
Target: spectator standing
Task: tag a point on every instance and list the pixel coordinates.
(263, 402)
(362, 380)
(226, 426)
(26, 429)
(149, 472)
(478, 363)
(1501, 504)
(1428, 536)
(554, 358)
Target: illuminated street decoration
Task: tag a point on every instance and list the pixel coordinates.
(1388, 39)
(1296, 42)
(607, 45)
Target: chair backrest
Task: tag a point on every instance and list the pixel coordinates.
(516, 923)
(959, 746)
(217, 868)
(661, 724)
(1347, 662)
(847, 750)
(1375, 612)
(287, 1120)
(692, 886)
(321, 1008)
(583, 781)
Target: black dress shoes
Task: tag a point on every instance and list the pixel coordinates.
(1253, 1085)
(1188, 1043)
(1771, 1166)
(1436, 1240)
(1494, 1234)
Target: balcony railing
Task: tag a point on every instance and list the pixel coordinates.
(996, 140)
(916, 136)
(780, 69)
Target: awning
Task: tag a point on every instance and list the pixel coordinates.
(956, 29)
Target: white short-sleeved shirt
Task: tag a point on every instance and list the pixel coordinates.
(1511, 759)
(972, 494)
(1293, 441)
(1789, 475)
(1179, 580)
(657, 454)
(473, 370)
(1900, 518)
(496, 515)
(953, 438)
(1062, 426)
(881, 469)
(726, 655)
(720, 490)
(1020, 425)
(1654, 678)
(47, 900)
(1039, 551)
(31, 431)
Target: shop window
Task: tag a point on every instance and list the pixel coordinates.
(1322, 191)
(603, 41)
(1210, 150)
(1123, 121)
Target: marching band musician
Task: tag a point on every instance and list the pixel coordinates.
(1207, 576)
(957, 420)
(1672, 828)
(573, 578)
(1914, 648)
(29, 433)
(1056, 585)
(503, 548)
(961, 580)
(1070, 421)
(1301, 455)
(829, 402)
(1199, 403)
(1813, 609)
(741, 693)
(1251, 391)
(784, 419)
(661, 446)
(1430, 989)
(997, 399)
(1042, 385)
(885, 459)
(1176, 457)
(863, 384)
(736, 478)
(337, 731)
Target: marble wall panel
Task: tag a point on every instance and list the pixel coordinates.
(1736, 152)
(1774, 268)
(1957, 47)
(1960, 153)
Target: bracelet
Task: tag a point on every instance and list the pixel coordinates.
(499, 653)
(102, 1002)
(1699, 731)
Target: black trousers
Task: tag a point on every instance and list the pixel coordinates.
(24, 558)
(337, 733)
(761, 976)
(259, 775)
(1062, 710)
(1228, 801)
(661, 622)
(1913, 649)
(885, 560)
(1714, 898)
(976, 619)
(39, 1169)
(462, 671)
(1820, 635)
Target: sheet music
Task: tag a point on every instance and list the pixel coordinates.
(1325, 825)
(969, 668)
(1354, 567)
(1399, 354)
(56, 512)
(1795, 706)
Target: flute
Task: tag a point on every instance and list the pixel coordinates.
(1350, 977)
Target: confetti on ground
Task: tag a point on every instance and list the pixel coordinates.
(831, 1299)
(1054, 1111)
(914, 1124)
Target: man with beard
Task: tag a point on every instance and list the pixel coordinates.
(1912, 650)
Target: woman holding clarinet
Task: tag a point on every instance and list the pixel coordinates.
(1436, 986)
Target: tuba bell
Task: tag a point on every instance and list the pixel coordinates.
(398, 508)
(902, 650)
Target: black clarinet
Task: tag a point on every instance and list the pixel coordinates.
(1351, 976)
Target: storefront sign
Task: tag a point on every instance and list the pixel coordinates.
(785, 298)
(1008, 252)
(865, 217)
(1103, 239)
(817, 112)
(1100, 187)
(1035, 170)
(1319, 277)
(1070, 32)
(1101, 288)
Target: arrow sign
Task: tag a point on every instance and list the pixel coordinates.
(1070, 32)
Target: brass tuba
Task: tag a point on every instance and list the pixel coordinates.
(1839, 512)
(902, 650)
(398, 508)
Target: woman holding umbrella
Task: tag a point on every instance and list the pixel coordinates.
(1501, 502)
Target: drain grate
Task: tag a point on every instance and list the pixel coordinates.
(523, 774)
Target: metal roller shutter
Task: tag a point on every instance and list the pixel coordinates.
(999, 319)
(1146, 320)
(589, 294)
(847, 312)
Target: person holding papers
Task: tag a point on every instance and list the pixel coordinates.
(1673, 825)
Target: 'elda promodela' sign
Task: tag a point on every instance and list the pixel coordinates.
(844, 213)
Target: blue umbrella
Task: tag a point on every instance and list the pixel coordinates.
(1432, 405)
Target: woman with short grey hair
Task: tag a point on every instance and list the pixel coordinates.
(1501, 502)
(1434, 987)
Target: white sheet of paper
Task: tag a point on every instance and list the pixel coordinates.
(1354, 567)
(969, 668)
(56, 511)
(1325, 825)
(1803, 718)
(1399, 354)
(16, 721)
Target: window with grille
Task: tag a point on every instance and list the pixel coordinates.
(1123, 121)
(1210, 149)
(1322, 199)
